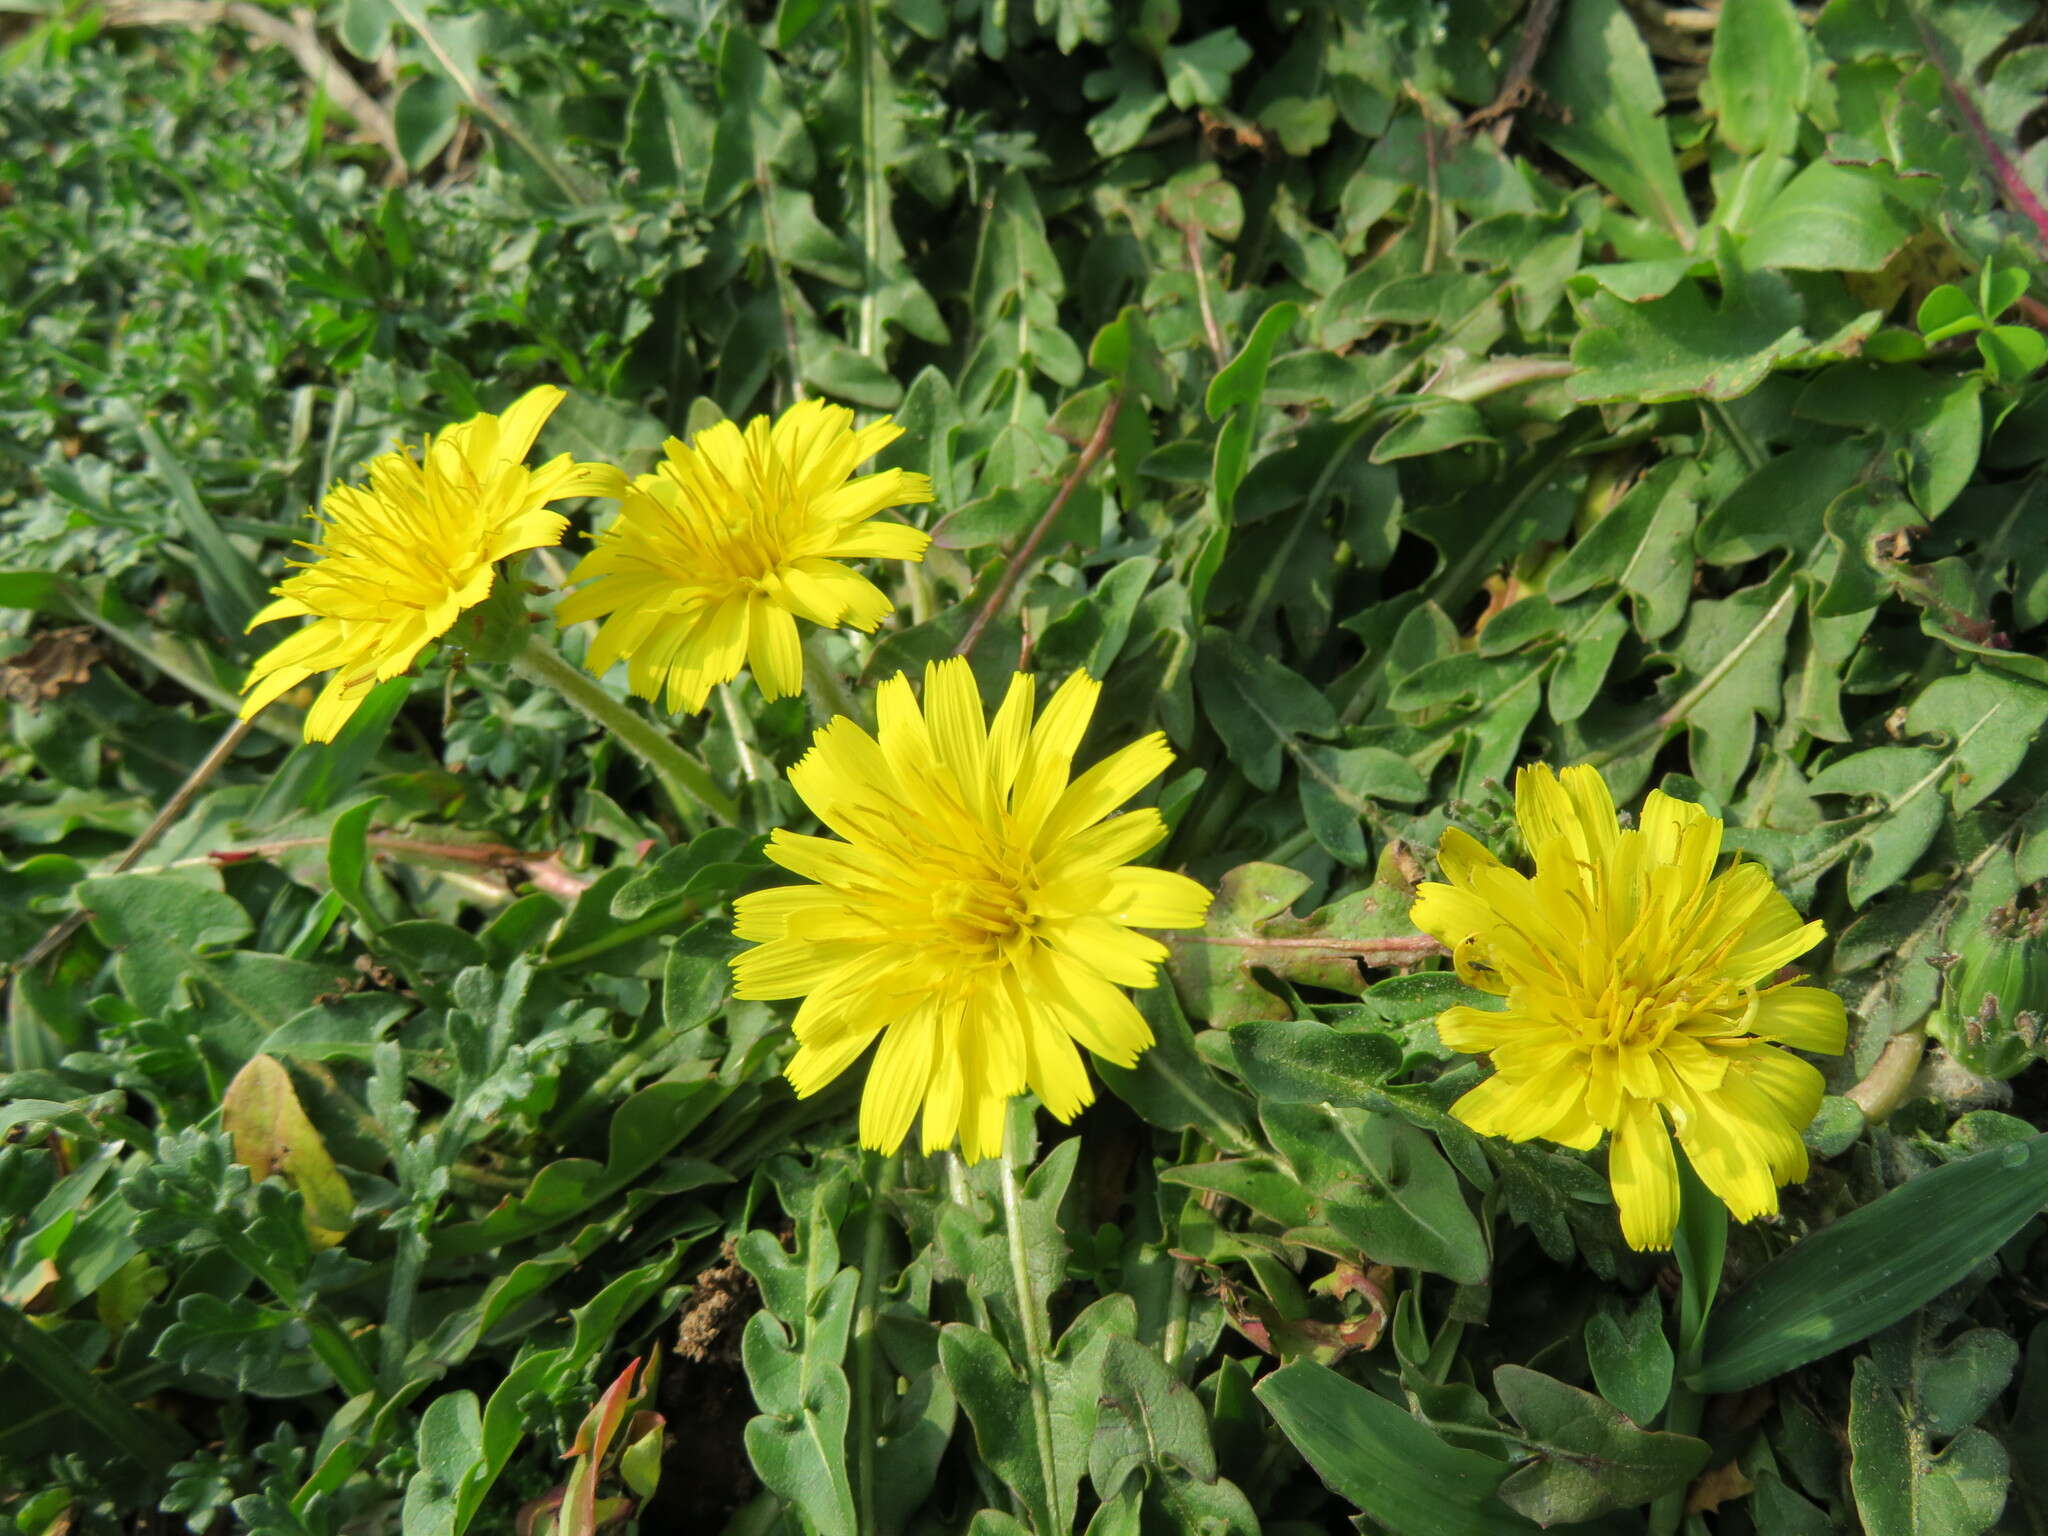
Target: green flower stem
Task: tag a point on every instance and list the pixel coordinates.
(1681, 1417)
(1717, 413)
(1031, 1321)
(867, 1318)
(396, 1333)
(829, 693)
(1699, 1244)
(1173, 1338)
(687, 782)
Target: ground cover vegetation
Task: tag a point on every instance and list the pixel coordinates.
(1375, 398)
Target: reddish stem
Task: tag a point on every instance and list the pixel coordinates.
(1098, 444)
(2002, 168)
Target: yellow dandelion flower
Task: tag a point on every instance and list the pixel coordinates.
(733, 538)
(1640, 998)
(978, 915)
(395, 562)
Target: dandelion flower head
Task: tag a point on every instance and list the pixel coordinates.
(978, 915)
(396, 561)
(1640, 998)
(733, 538)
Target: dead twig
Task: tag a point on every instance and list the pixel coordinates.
(1209, 326)
(544, 871)
(299, 36)
(173, 808)
(1098, 444)
(1515, 89)
(2003, 171)
(1417, 945)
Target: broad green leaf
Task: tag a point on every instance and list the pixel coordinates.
(261, 1111)
(1198, 73)
(1685, 345)
(1147, 1417)
(1759, 72)
(1249, 929)
(1172, 1087)
(1313, 1063)
(1233, 398)
(1947, 311)
(1902, 1487)
(1987, 721)
(1630, 1355)
(1383, 1186)
(1829, 218)
(149, 1441)
(1899, 785)
(451, 1452)
(643, 1129)
(668, 136)
(1257, 706)
(1731, 655)
(425, 116)
(798, 1442)
(227, 578)
(1599, 73)
(1780, 506)
(1589, 1459)
(1385, 1462)
(169, 935)
(1904, 1249)
(348, 862)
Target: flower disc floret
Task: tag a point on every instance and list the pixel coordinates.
(1640, 996)
(733, 538)
(396, 561)
(976, 911)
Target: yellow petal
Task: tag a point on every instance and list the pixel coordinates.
(1521, 1107)
(1575, 813)
(1458, 853)
(815, 1066)
(1010, 731)
(1450, 915)
(774, 651)
(955, 1064)
(1476, 1032)
(1108, 949)
(332, 709)
(1644, 1174)
(952, 712)
(896, 1081)
(1049, 754)
(829, 594)
(1734, 1138)
(1793, 1087)
(1155, 898)
(1094, 1012)
(1054, 1070)
(789, 967)
(884, 541)
(1678, 831)
(282, 608)
(762, 915)
(901, 731)
(1805, 1018)
(1099, 791)
(1102, 847)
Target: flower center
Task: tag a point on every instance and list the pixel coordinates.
(982, 914)
(1629, 1013)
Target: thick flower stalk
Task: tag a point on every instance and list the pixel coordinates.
(978, 915)
(397, 561)
(733, 538)
(1641, 998)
